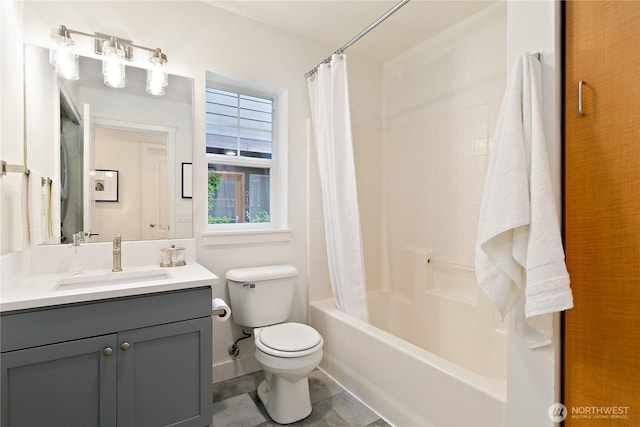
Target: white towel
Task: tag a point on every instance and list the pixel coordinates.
(519, 246)
(34, 207)
(47, 210)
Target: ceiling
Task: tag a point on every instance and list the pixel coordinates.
(335, 22)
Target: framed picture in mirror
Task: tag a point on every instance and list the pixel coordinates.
(105, 185)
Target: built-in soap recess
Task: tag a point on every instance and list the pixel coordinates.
(172, 257)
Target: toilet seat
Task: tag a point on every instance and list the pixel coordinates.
(288, 340)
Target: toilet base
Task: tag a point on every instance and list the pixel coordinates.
(285, 401)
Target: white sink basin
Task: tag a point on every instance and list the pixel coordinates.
(111, 279)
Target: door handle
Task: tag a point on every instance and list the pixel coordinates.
(580, 84)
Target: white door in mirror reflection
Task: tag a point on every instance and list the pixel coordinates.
(140, 210)
(154, 192)
(88, 168)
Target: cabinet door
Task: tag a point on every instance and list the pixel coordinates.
(67, 384)
(164, 375)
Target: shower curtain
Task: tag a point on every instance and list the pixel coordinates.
(329, 95)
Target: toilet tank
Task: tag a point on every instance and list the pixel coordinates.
(261, 296)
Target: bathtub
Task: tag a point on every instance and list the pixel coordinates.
(404, 383)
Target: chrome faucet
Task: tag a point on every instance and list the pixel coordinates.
(78, 238)
(117, 242)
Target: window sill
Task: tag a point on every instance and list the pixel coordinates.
(245, 237)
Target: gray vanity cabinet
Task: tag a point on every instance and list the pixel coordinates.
(65, 384)
(159, 375)
(138, 361)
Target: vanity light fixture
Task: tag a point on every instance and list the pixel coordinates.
(116, 51)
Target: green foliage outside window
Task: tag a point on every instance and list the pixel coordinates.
(214, 184)
(262, 216)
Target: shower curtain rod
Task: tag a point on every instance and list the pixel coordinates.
(359, 36)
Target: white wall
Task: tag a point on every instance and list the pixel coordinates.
(43, 156)
(12, 186)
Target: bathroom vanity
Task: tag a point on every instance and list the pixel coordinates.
(140, 357)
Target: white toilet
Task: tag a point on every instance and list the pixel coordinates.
(262, 298)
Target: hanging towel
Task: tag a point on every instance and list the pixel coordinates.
(34, 207)
(47, 210)
(519, 248)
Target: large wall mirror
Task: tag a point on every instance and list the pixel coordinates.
(115, 156)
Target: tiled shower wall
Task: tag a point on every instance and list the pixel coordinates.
(420, 179)
(441, 102)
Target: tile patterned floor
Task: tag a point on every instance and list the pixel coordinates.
(236, 404)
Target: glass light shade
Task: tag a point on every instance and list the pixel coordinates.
(66, 63)
(114, 74)
(157, 80)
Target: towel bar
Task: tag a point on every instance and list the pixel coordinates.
(5, 168)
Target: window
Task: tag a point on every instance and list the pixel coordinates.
(240, 155)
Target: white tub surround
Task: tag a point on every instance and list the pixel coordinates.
(405, 384)
(51, 281)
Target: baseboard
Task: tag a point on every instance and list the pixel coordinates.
(234, 368)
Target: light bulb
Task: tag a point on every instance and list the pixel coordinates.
(66, 63)
(113, 73)
(157, 80)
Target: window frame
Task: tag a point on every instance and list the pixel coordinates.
(276, 229)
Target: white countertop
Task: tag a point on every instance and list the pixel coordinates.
(53, 289)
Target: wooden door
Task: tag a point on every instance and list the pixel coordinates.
(601, 377)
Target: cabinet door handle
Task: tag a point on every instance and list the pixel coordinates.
(107, 351)
(125, 346)
(580, 84)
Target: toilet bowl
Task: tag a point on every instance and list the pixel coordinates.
(287, 353)
(261, 298)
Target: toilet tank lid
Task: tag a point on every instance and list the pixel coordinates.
(269, 272)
